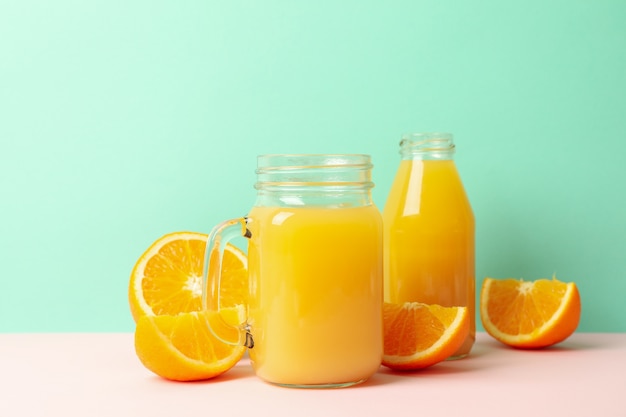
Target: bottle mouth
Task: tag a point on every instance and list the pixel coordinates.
(304, 170)
(433, 145)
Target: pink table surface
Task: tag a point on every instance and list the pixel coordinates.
(98, 374)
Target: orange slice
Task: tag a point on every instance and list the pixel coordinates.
(182, 348)
(418, 335)
(529, 314)
(167, 278)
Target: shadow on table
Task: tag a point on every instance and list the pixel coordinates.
(471, 363)
(570, 344)
(242, 370)
(384, 376)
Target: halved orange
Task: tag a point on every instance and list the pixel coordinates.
(167, 278)
(418, 335)
(529, 314)
(182, 348)
(172, 336)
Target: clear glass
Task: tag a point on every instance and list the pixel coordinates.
(429, 230)
(314, 314)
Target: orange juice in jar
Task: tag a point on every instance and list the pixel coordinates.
(316, 293)
(429, 230)
(314, 313)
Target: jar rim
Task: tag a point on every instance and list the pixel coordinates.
(316, 160)
(315, 156)
(297, 155)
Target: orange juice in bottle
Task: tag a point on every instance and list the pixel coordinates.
(429, 230)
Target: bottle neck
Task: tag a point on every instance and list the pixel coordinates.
(324, 180)
(427, 146)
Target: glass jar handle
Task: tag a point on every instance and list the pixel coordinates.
(211, 283)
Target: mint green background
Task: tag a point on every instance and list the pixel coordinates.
(121, 121)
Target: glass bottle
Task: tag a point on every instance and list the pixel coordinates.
(429, 230)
